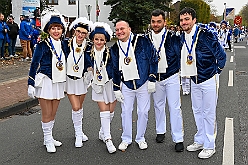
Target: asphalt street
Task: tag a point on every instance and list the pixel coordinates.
(21, 139)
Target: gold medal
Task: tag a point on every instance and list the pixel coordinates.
(159, 58)
(189, 59)
(99, 77)
(75, 68)
(78, 49)
(59, 65)
(127, 60)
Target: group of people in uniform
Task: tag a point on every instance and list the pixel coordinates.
(135, 67)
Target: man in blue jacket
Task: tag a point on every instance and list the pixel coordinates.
(25, 34)
(134, 74)
(3, 34)
(168, 80)
(202, 58)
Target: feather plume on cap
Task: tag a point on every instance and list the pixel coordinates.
(81, 22)
(101, 28)
(49, 16)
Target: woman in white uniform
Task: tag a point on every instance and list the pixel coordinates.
(77, 64)
(102, 84)
(47, 74)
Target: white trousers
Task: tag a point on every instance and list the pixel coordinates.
(169, 89)
(143, 106)
(204, 101)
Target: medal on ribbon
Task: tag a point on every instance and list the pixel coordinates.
(190, 58)
(59, 64)
(127, 59)
(160, 45)
(99, 70)
(75, 67)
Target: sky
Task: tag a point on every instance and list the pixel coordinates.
(219, 4)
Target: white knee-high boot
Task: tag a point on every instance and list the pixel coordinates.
(48, 138)
(101, 135)
(55, 142)
(105, 124)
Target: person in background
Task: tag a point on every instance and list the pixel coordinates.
(47, 74)
(35, 38)
(3, 35)
(236, 34)
(25, 35)
(135, 66)
(203, 59)
(102, 83)
(77, 65)
(229, 36)
(222, 34)
(13, 32)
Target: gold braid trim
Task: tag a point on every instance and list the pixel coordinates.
(152, 75)
(31, 78)
(116, 85)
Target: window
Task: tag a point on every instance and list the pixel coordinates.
(72, 2)
(52, 2)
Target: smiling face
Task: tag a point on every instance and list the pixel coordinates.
(186, 22)
(157, 23)
(99, 41)
(122, 31)
(55, 31)
(80, 34)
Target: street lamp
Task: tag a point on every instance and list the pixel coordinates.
(88, 9)
(225, 12)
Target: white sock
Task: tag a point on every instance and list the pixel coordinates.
(47, 131)
(105, 124)
(77, 122)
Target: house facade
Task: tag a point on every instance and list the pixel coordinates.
(95, 10)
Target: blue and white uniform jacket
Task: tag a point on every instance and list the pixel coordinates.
(147, 64)
(42, 61)
(68, 44)
(106, 56)
(173, 55)
(210, 56)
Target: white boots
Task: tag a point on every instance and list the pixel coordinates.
(77, 117)
(49, 142)
(104, 133)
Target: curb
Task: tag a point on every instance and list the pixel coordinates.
(18, 107)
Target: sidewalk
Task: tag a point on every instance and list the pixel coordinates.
(13, 87)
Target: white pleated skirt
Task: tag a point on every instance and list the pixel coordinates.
(107, 95)
(76, 87)
(49, 90)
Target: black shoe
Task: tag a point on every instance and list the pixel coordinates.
(160, 138)
(179, 147)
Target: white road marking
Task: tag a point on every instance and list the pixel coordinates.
(230, 80)
(228, 149)
(231, 59)
(240, 47)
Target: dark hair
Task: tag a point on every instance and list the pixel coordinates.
(158, 12)
(188, 10)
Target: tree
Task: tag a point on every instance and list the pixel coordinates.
(135, 12)
(6, 7)
(202, 9)
(244, 14)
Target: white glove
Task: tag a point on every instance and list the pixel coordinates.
(97, 88)
(151, 87)
(88, 76)
(31, 91)
(118, 95)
